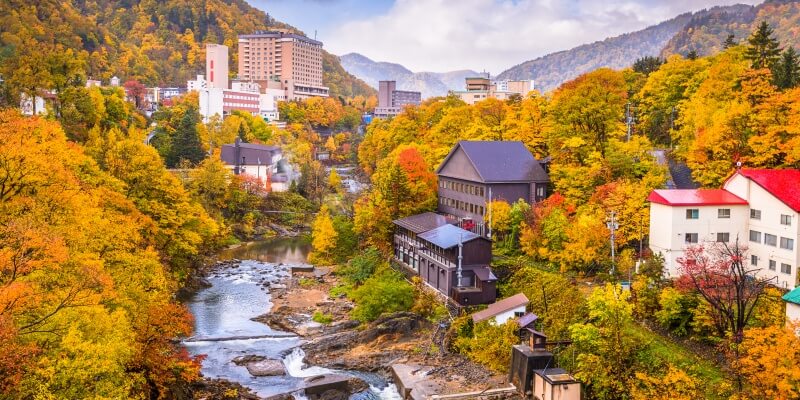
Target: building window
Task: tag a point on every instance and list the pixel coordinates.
(753, 259)
(786, 268)
(723, 213)
(723, 237)
(770, 240)
(691, 238)
(786, 219)
(787, 243)
(692, 213)
(755, 236)
(772, 265)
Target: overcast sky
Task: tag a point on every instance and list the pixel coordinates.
(491, 35)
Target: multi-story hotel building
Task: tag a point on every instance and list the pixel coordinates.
(391, 101)
(758, 207)
(291, 59)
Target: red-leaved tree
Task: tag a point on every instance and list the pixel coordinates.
(720, 274)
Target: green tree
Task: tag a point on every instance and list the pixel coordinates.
(786, 73)
(647, 64)
(763, 50)
(606, 351)
(730, 41)
(384, 292)
(186, 141)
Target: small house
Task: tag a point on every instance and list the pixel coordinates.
(503, 310)
(792, 300)
(262, 162)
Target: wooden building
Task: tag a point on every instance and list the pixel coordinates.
(476, 172)
(451, 260)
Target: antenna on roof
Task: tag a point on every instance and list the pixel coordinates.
(315, 34)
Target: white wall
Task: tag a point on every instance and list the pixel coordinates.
(543, 390)
(669, 226)
(500, 319)
(211, 101)
(792, 312)
(771, 209)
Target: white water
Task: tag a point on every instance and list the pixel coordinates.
(297, 368)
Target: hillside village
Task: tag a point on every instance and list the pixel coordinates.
(271, 231)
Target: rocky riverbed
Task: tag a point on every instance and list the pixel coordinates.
(348, 345)
(247, 359)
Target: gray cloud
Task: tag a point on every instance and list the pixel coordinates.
(440, 35)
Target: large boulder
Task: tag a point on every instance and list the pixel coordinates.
(266, 368)
(261, 366)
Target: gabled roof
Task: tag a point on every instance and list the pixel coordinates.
(793, 296)
(694, 197)
(500, 161)
(448, 236)
(509, 303)
(423, 222)
(784, 184)
(252, 153)
(527, 319)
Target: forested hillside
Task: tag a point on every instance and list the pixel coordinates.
(617, 52)
(154, 42)
(704, 32)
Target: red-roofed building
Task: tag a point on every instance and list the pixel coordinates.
(761, 207)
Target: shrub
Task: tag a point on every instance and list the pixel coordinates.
(322, 318)
(489, 344)
(361, 267)
(385, 292)
(676, 310)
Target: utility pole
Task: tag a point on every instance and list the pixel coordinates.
(671, 125)
(613, 226)
(628, 119)
(460, 258)
(489, 235)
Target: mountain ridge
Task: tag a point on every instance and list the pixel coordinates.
(430, 84)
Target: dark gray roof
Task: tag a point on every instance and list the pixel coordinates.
(485, 274)
(501, 161)
(423, 222)
(527, 319)
(448, 236)
(251, 153)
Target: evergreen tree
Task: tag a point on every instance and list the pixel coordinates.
(730, 41)
(787, 70)
(762, 50)
(185, 142)
(647, 64)
(692, 55)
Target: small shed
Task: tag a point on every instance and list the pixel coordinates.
(555, 384)
(503, 310)
(792, 300)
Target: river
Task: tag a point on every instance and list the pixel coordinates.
(223, 312)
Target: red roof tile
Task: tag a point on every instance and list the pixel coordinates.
(695, 197)
(784, 184)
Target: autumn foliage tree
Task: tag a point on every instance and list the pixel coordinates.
(88, 265)
(719, 273)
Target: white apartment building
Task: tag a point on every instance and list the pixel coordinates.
(760, 207)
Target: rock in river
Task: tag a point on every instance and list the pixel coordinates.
(261, 366)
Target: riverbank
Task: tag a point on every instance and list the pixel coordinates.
(246, 359)
(397, 339)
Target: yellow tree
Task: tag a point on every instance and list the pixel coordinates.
(770, 363)
(323, 237)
